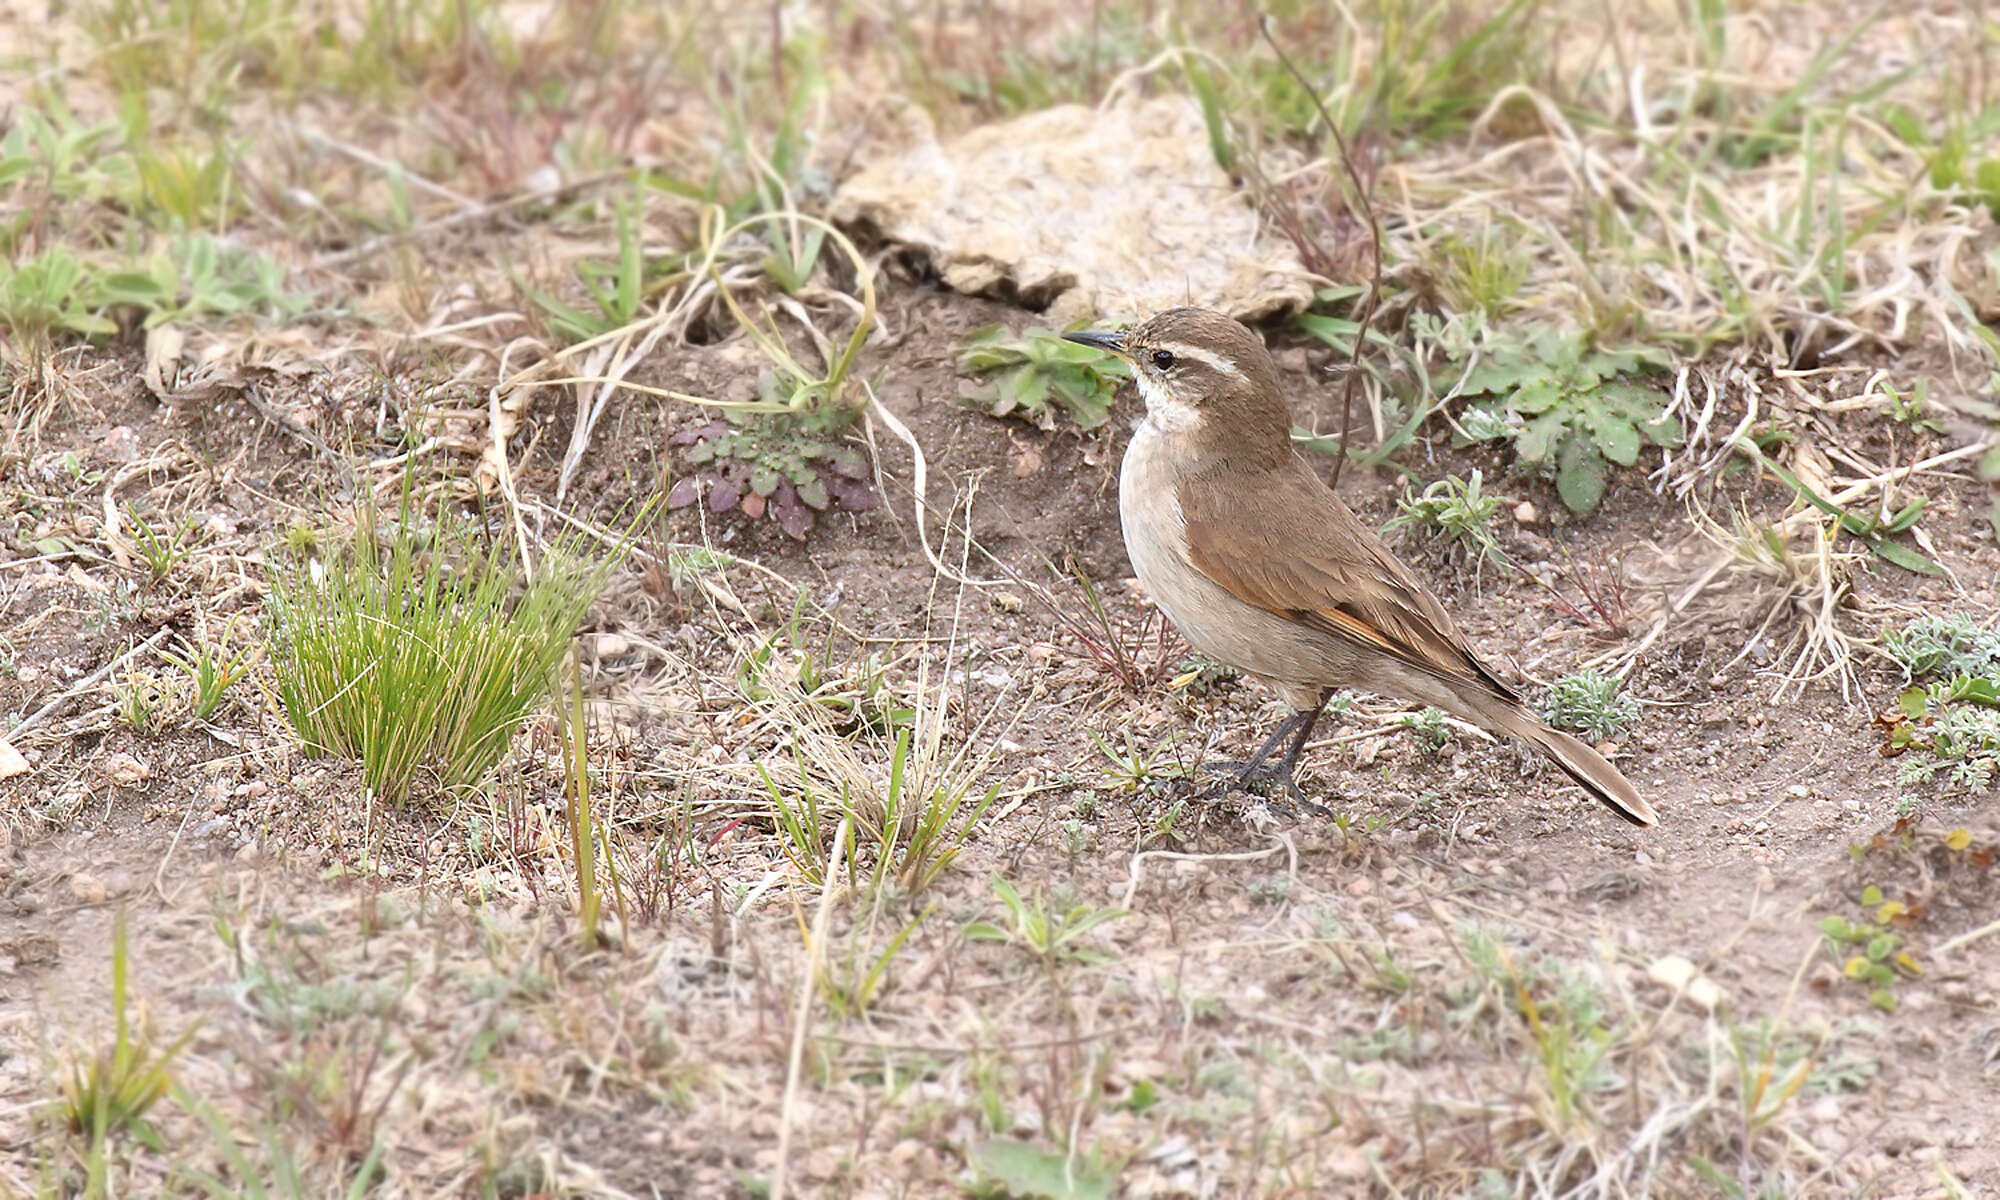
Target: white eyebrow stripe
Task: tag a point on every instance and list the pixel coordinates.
(1207, 358)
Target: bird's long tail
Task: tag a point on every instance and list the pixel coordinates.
(1586, 766)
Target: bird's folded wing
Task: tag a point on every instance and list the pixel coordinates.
(1307, 558)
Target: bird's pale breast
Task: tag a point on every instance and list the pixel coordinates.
(1214, 621)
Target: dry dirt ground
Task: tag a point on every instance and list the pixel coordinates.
(1466, 981)
(1289, 1005)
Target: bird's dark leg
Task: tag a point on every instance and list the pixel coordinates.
(1250, 766)
(1257, 770)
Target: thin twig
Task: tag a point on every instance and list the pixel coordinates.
(465, 216)
(96, 677)
(1139, 861)
(1967, 938)
(815, 953)
(1375, 239)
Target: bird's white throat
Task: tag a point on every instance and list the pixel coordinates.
(1166, 412)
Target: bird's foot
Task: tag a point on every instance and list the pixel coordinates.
(1268, 781)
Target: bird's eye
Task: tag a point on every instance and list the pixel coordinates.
(1163, 359)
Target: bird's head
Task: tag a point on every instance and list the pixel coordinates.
(1203, 375)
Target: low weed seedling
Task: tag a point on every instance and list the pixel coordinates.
(1456, 510)
(1135, 769)
(1570, 409)
(1945, 645)
(147, 703)
(916, 835)
(208, 672)
(200, 275)
(855, 692)
(1871, 529)
(615, 291)
(1428, 726)
(789, 466)
(1567, 1018)
(1038, 375)
(54, 292)
(1956, 722)
(1590, 702)
(1204, 677)
(1951, 710)
(854, 982)
(1482, 275)
(1912, 409)
(1870, 954)
(1962, 162)
(164, 546)
(110, 1093)
(1050, 936)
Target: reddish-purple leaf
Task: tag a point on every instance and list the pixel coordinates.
(723, 495)
(794, 519)
(686, 490)
(752, 506)
(851, 495)
(700, 433)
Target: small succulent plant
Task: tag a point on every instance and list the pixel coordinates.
(789, 467)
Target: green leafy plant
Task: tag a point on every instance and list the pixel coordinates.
(198, 275)
(1912, 409)
(1956, 723)
(917, 833)
(1020, 1169)
(1458, 510)
(1950, 714)
(853, 983)
(1870, 954)
(1050, 936)
(1574, 1031)
(1590, 702)
(1569, 408)
(1945, 645)
(1483, 273)
(420, 646)
(1038, 374)
(53, 292)
(855, 692)
(147, 703)
(1137, 768)
(1961, 157)
(1871, 529)
(789, 466)
(1428, 726)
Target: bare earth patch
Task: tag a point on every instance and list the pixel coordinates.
(545, 268)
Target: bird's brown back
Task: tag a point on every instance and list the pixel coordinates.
(1305, 556)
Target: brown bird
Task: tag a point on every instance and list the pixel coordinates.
(1261, 566)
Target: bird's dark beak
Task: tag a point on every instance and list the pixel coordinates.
(1113, 343)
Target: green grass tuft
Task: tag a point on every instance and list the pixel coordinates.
(417, 647)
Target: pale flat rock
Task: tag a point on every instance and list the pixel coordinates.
(1113, 213)
(1680, 974)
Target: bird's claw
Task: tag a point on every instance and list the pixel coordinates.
(1262, 780)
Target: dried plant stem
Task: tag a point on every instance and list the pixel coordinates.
(802, 1019)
